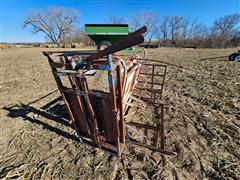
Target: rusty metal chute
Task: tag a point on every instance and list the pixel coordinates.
(101, 115)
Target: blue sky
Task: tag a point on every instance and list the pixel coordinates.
(13, 12)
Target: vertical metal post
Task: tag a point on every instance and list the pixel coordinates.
(111, 81)
(152, 86)
(162, 127)
(110, 63)
(120, 97)
(113, 97)
(163, 80)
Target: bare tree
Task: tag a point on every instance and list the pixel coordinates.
(235, 40)
(185, 31)
(182, 31)
(175, 24)
(163, 30)
(54, 22)
(193, 33)
(200, 35)
(225, 27)
(115, 20)
(78, 36)
(149, 19)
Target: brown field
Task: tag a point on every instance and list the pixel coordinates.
(202, 123)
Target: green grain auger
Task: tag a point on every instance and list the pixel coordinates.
(106, 34)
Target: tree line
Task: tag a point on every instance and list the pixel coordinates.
(60, 25)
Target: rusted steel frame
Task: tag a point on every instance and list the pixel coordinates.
(159, 129)
(163, 81)
(72, 117)
(137, 71)
(82, 101)
(92, 123)
(151, 74)
(162, 127)
(73, 85)
(111, 125)
(72, 82)
(84, 80)
(113, 99)
(159, 133)
(153, 94)
(131, 82)
(104, 145)
(78, 92)
(120, 100)
(152, 81)
(143, 88)
(159, 65)
(81, 109)
(60, 87)
(152, 148)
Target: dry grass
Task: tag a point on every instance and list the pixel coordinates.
(202, 123)
(6, 46)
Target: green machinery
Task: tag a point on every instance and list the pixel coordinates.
(106, 34)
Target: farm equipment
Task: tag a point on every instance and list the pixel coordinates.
(103, 91)
(235, 57)
(231, 57)
(106, 34)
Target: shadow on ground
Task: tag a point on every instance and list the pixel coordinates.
(54, 111)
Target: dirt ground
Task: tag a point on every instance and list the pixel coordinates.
(202, 123)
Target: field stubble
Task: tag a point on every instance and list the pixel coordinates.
(202, 123)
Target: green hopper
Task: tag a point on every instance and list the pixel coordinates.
(106, 34)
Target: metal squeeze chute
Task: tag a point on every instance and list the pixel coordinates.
(104, 117)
